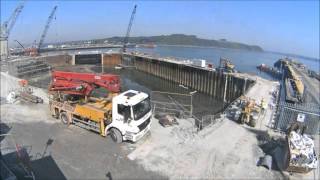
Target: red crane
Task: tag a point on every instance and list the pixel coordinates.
(83, 83)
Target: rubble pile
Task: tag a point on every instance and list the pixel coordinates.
(302, 151)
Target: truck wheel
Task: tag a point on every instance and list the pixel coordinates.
(116, 135)
(64, 117)
(241, 119)
(39, 100)
(56, 113)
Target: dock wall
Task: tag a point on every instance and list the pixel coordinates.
(106, 60)
(221, 86)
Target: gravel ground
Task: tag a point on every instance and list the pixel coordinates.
(225, 150)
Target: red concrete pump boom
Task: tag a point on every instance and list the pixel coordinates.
(83, 83)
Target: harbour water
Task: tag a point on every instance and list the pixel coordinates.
(245, 61)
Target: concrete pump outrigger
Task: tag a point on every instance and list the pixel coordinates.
(125, 116)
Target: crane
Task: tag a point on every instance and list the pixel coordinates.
(6, 28)
(126, 38)
(44, 33)
(35, 51)
(8, 25)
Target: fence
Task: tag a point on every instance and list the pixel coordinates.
(172, 103)
(288, 114)
(208, 120)
(180, 105)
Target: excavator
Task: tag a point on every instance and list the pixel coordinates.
(94, 102)
(226, 65)
(250, 111)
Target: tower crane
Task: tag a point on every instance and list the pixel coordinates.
(6, 28)
(126, 38)
(35, 51)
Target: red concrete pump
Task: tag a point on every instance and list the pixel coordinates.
(74, 83)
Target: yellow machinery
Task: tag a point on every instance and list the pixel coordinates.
(92, 114)
(250, 112)
(226, 65)
(294, 85)
(229, 65)
(297, 81)
(95, 109)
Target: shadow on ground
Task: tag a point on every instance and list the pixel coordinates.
(4, 129)
(17, 158)
(43, 168)
(270, 146)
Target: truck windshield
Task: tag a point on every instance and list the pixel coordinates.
(142, 108)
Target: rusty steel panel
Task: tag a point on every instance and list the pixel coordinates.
(111, 60)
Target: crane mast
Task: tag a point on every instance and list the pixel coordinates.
(8, 25)
(6, 28)
(44, 33)
(126, 38)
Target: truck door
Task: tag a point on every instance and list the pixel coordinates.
(123, 113)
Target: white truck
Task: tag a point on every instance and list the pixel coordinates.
(125, 116)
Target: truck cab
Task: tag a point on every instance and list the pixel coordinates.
(131, 116)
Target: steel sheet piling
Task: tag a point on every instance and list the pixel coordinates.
(218, 85)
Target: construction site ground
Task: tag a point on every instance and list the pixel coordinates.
(225, 149)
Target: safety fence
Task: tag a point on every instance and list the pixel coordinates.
(180, 105)
(287, 114)
(176, 104)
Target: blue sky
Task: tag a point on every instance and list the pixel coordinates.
(286, 26)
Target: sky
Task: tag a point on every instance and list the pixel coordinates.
(285, 26)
